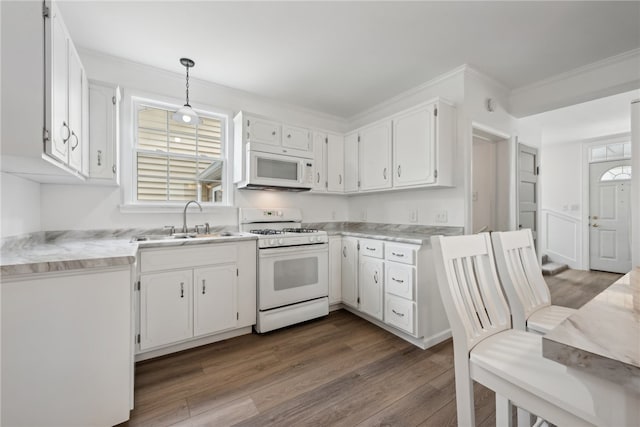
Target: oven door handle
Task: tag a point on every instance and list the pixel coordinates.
(298, 250)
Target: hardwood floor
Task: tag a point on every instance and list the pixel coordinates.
(335, 371)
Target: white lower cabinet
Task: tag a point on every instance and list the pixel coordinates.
(393, 285)
(197, 291)
(335, 269)
(349, 271)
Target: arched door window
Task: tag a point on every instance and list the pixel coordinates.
(617, 173)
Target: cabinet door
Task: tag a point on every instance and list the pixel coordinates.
(335, 163)
(335, 270)
(371, 279)
(165, 308)
(263, 131)
(351, 163)
(375, 157)
(319, 162)
(215, 305)
(349, 271)
(102, 131)
(297, 138)
(59, 132)
(414, 148)
(76, 83)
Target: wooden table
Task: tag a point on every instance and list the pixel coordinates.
(603, 337)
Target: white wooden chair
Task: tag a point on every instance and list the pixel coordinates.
(510, 361)
(522, 281)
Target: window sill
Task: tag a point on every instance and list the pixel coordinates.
(169, 208)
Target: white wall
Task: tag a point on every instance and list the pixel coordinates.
(95, 207)
(484, 185)
(20, 205)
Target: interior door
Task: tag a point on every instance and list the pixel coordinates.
(610, 216)
(528, 189)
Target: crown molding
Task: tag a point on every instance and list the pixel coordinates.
(612, 60)
(474, 72)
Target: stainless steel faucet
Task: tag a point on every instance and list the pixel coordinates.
(184, 215)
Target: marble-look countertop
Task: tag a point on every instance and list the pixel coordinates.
(72, 250)
(603, 337)
(402, 233)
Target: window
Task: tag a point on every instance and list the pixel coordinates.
(612, 151)
(617, 173)
(175, 162)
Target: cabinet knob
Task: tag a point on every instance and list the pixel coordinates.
(273, 133)
(288, 135)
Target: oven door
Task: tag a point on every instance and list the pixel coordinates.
(292, 274)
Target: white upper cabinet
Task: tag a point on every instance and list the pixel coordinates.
(320, 162)
(375, 156)
(296, 138)
(335, 163)
(262, 131)
(351, 162)
(66, 96)
(104, 101)
(423, 144)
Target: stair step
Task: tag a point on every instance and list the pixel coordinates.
(553, 268)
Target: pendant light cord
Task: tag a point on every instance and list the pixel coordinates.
(188, 85)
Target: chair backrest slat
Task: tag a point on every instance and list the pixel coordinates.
(520, 274)
(469, 287)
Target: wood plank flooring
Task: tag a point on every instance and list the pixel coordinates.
(335, 371)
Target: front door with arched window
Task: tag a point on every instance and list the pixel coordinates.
(610, 216)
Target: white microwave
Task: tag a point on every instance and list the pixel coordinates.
(271, 171)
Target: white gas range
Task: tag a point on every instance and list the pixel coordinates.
(292, 267)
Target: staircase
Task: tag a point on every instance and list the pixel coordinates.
(550, 268)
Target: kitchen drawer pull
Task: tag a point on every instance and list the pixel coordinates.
(339, 178)
(398, 171)
(318, 180)
(273, 133)
(375, 277)
(384, 173)
(397, 280)
(204, 287)
(370, 249)
(181, 289)
(398, 255)
(344, 251)
(397, 314)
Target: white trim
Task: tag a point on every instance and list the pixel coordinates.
(406, 94)
(613, 138)
(572, 261)
(612, 60)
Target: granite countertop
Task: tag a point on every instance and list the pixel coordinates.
(603, 336)
(402, 233)
(72, 250)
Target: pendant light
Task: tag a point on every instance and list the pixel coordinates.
(186, 114)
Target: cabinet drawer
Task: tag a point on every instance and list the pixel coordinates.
(399, 280)
(400, 313)
(401, 253)
(184, 257)
(372, 248)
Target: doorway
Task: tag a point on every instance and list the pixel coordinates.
(610, 216)
(490, 186)
(528, 167)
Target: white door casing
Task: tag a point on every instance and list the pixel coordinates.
(609, 217)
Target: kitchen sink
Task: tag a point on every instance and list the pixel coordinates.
(177, 236)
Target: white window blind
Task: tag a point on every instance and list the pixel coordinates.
(177, 162)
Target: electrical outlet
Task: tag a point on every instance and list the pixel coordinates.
(441, 217)
(413, 215)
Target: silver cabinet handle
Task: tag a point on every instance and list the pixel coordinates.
(318, 180)
(384, 173)
(288, 135)
(375, 277)
(397, 280)
(397, 314)
(398, 171)
(181, 289)
(273, 133)
(398, 255)
(370, 249)
(77, 141)
(204, 287)
(99, 157)
(344, 251)
(65, 131)
(339, 178)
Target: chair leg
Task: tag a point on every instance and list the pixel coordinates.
(464, 390)
(524, 418)
(504, 412)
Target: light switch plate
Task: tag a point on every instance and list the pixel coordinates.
(441, 217)
(413, 215)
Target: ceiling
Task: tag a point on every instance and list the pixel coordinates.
(588, 120)
(342, 58)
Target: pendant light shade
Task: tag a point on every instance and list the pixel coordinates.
(186, 114)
